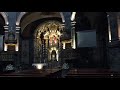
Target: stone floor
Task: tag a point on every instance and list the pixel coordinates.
(30, 73)
(72, 73)
(92, 73)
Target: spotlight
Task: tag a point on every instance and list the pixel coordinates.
(38, 66)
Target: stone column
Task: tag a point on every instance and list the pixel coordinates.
(73, 35)
(114, 50)
(6, 37)
(113, 24)
(118, 19)
(102, 39)
(46, 51)
(17, 47)
(17, 37)
(60, 47)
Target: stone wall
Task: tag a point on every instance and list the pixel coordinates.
(25, 52)
(81, 57)
(114, 57)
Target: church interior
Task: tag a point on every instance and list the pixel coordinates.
(59, 44)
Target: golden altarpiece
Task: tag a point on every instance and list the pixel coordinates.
(47, 43)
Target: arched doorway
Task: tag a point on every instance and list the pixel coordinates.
(40, 34)
(2, 24)
(2, 32)
(5, 17)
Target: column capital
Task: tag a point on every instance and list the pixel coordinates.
(63, 25)
(17, 28)
(6, 27)
(73, 23)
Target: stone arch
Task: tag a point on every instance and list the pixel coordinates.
(73, 16)
(24, 13)
(5, 16)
